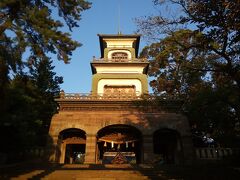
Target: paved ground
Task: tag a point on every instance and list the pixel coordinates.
(117, 172)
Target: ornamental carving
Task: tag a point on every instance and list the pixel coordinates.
(119, 56)
(119, 90)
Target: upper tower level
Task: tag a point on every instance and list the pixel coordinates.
(119, 47)
(119, 71)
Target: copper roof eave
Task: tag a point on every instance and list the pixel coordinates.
(93, 68)
(101, 36)
(145, 70)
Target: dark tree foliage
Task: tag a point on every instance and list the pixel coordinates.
(44, 78)
(30, 25)
(219, 23)
(30, 32)
(204, 66)
(173, 63)
(29, 108)
(46, 82)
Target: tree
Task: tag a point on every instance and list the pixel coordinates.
(209, 112)
(216, 27)
(173, 61)
(30, 32)
(47, 88)
(29, 108)
(30, 27)
(218, 21)
(19, 123)
(44, 77)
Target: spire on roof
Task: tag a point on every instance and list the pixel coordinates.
(119, 31)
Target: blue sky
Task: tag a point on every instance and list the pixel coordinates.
(101, 18)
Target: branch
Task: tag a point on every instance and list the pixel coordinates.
(204, 70)
(6, 25)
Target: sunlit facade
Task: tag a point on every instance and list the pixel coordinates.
(118, 121)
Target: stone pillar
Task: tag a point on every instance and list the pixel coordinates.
(148, 153)
(52, 149)
(188, 150)
(90, 154)
(63, 152)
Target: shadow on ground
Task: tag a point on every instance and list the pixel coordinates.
(36, 170)
(15, 170)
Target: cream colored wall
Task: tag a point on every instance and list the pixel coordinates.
(117, 69)
(120, 82)
(119, 42)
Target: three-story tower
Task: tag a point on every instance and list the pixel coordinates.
(118, 115)
(119, 72)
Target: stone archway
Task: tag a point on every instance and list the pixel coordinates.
(72, 143)
(119, 144)
(167, 146)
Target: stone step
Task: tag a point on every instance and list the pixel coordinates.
(76, 172)
(82, 178)
(28, 175)
(94, 174)
(89, 174)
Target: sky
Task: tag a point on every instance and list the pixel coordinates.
(104, 17)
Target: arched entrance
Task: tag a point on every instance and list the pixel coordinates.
(73, 144)
(119, 144)
(167, 145)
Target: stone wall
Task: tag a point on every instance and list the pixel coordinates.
(91, 119)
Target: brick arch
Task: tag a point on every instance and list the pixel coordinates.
(138, 128)
(167, 128)
(120, 137)
(69, 126)
(72, 128)
(167, 145)
(173, 130)
(71, 141)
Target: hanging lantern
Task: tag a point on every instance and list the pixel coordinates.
(133, 144)
(118, 146)
(105, 144)
(112, 145)
(126, 144)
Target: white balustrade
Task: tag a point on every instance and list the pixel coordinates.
(215, 153)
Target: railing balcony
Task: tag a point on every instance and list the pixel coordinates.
(146, 102)
(89, 96)
(119, 96)
(121, 60)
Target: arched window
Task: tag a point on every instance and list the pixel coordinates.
(119, 56)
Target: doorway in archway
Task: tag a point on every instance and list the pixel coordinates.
(73, 145)
(119, 144)
(167, 145)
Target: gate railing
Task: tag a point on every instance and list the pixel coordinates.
(88, 96)
(216, 153)
(117, 96)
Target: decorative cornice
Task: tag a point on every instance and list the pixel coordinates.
(120, 63)
(140, 105)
